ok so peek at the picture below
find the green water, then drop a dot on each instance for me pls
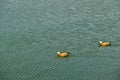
(32, 31)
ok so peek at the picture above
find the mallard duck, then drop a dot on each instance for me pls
(105, 44)
(63, 54)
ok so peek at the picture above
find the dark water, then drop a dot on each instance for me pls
(32, 31)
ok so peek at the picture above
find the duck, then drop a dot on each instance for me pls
(63, 54)
(104, 44)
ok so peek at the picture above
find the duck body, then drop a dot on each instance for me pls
(63, 54)
(104, 44)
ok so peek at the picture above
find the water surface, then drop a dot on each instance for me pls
(32, 31)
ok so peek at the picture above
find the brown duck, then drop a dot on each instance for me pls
(63, 54)
(104, 44)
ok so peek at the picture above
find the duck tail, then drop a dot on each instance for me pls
(68, 52)
(109, 43)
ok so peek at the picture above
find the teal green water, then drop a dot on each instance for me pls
(32, 31)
